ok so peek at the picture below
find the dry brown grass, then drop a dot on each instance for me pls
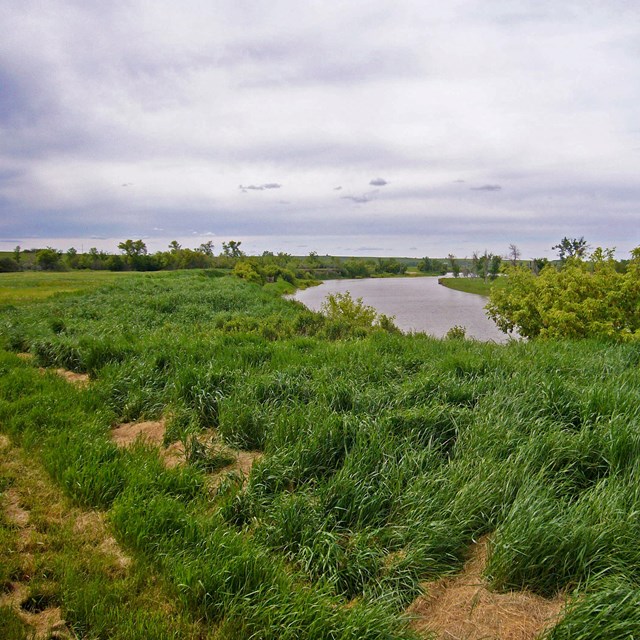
(151, 433)
(77, 379)
(462, 607)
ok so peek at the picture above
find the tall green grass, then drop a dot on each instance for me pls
(385, 455)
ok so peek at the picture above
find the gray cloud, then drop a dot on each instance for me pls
(188, 102)
(487, 187)
(261, 187)
(359, 199)
(364, 198)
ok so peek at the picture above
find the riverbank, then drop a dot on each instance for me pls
(472, 285)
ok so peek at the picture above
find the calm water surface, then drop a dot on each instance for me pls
(419, 304)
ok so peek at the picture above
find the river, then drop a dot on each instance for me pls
(418, 304)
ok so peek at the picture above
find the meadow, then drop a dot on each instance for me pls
(379, 460)
(472, 285)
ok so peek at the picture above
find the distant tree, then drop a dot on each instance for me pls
(133, 248)
(174, 246)
(49, 259)
(485, 260)
(191, 259)
(16, 254)
(206, 248)
(282, 258)
(389, 265)
(8, 264)
(115, 263)
(538, 264)
(455, 266)
(426, 265)
(475, 263)
(232, 249)
(494, 268)
(570, 247)
(137, 257)
(354, 268)
(514, 255)
(72, 258)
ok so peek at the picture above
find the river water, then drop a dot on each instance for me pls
(418, 304)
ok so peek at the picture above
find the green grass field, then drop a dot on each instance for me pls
(33, 286)
(379, 459)
(472, 285)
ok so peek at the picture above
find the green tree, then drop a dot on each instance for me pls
(72, 258)
(355, 268)
(206, 248)
(49, 259)
(232, 249)
(133, 248)
(247, 271)
(571, 247)
(8, 265)
(584, 298)
(455, 266)
(341, 307)
(538, 264)
(494, 267)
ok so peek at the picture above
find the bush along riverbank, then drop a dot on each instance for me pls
(285, 475)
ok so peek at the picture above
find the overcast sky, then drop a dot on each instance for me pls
(410, 128)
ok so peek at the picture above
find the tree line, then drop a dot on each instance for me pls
(134, 256)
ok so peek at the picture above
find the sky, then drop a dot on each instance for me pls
(413, 128)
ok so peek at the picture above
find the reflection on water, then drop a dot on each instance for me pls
(418, 304)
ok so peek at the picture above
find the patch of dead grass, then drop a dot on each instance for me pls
(241, 465)
(43, 520)
(150, 432)
(77, 379)
(13, 510)
(462, 607)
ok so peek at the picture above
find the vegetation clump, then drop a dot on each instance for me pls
(579, 299)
